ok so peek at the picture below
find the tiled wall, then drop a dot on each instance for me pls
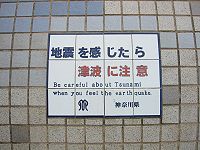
(24, 28)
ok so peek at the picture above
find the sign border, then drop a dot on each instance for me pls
(103, 116)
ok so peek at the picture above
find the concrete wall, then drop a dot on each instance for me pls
(24, 28)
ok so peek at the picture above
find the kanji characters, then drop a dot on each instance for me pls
(142, 71)
(66, 52)
(93, 53)
(93, 71)
(123, 71)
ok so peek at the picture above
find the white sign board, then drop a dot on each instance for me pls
(104, 74)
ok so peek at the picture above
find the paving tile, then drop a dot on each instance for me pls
(4, 118)
(38, 146)
(94, 134)
(170, 76)
(19, 115)
(4, 98)
(113, 121)
(39, 41)
(197, 36)
(5, 41)
(95, 23)
(112, 23)
(92, 121)
(37, 96)
(6, 24)
(130, 146)
(147, 7)
(151, 121)
(187, 145)
(183, 23)
(170, 95)
(20, 58)
(4, 134)
(58, 24)
(94, 147)
(4, 78)
(151, 133)
(56, 134)
(75, 134)
(196, 23)
(112, 7)
(181, 8)
(132, 133)
(40, 24)
(23, 146)
(19, 78)
(59, 8)
(170, 114)
(53, 146)
(23, 24)
(37, 77)
(166, 23)
(56, 120)
(185, 40)
(20, 133)
(188, 132)
(130, 7)
(37, 115)
(5, 59)
(76, 121)
(189, 113)
(188, 75)
(170, 133)
(169, 145)
(113, 134)
(187, 57)
(195, 7)
(169, 58)
(77, 8)
(148, 23)
(7, 9)
(94, 8)
(42, 9)
(18, 38)
(5, 146)
(18, 96)
(164, 7)
(132, 121)
(113, 146)
(131, 23)
(76, 23)
(25, 9)
(151, 146)
(38, 59)
(38, 134)
(76, 146)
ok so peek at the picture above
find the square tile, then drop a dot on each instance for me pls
(38, 134)
(40, 24)
(77, 8)
(19, 78)
(110, 121)
(75, 134)
(170, 114)
(6, 24)
(95, 23)
(94, 134)
(5, 41)
(112, 7)
(38, 146)
(94, 146)
(20, 133)
(188, 75)
(186, 40)
(18, 96)
(130, 7)
(58, 24)
(148, 23)
(94, 121)
(76, 23)
(59, 8)
(42, 9)
(4, 99)
(132, 134)
(20, 58)
(5, 146)
(130, 146)
(23, 146)
(183, 23)
(195, 7)
(39, 41)
(197, 36)
(113, 146)
(37, 77)
(4, 134)
(53, 146)
(112, 22)
(19, 115)
(164, 7)
(37, 115)
(170, 133)
(188, 132)
(5, 59)
(76, 121)
(169, 58)
(131, 23)
(113, 134)
(25, 9)
(189, 113)
(170, 95)
(76, 146)
(7, 9)
(4, 118)
(166, 23)
(151, 121)
(56, 134)
(196, 23)
(151, 133)
(56, 121)
(38, 59)
(187, 145)
(147, 7)
(23, 24)
(4, 78)
(18, 38)
(94, 8)
(187, 57)
(181, 8)
(169, 145)
(170, 76)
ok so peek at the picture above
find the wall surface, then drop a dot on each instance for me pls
(24, 28)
